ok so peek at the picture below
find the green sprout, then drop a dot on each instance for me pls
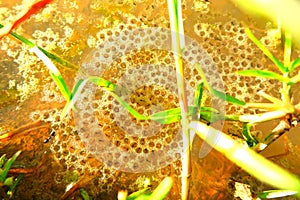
(277, 108)
(5, 166)
(84, 194)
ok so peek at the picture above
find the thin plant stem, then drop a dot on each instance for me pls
(176, 23)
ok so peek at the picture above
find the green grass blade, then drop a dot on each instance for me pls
(287, 49)
(13, 186)
(84, 194)
(197, 100)
(134, 195)
(62, 86)
(217, 93)
(250, 161)
(295, 64)
(143, 197)
(232, 117)
(174, 115)
(129, 108)
(251, 141)
(103, 83)
(75, 92)
(24, 40)
(170, 116)
(198, 95)
(111, 87)
(209, 116)
(209, 109)
(8, 181)
(212, 115)
(167, 116)
(54, 72)
(201, 73)
(269, 194)
(2, 160)
(48, 54)
(280, 66)
(59, 60)
(7, 166)
(228, 98)
(162, 189)
(263, 74)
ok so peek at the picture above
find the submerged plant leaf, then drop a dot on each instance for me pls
(48, 54)
(251, 141)
(2, 160)
(226, 97)
(197, 100)
(217, 93)
(198, 95)
(135, 113)
(295, 64)
(54, 72)
(211, 116)
(280, 66)
(262, 73)
(8, 181)
(7, 166)
(15, 183)
(75, 92)
(61, 84)
(174, 115)
(275, 194)
(287, 49)
(84, 194)
(143, 197)
(134, 195)
(102, 83)
(167, 116)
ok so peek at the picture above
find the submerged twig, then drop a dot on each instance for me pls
(24, 129)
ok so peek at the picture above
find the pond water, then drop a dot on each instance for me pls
(124, 42)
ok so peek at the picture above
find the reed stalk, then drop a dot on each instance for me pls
(176, 23)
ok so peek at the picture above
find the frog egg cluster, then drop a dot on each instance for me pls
(68, 148)
(46, 39)
(141, 63)
(231, 50)
(132, 48)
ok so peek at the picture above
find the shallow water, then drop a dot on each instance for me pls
(30, 103)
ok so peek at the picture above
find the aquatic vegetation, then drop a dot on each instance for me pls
(283, 108)
(190, 113)
(10, 182)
